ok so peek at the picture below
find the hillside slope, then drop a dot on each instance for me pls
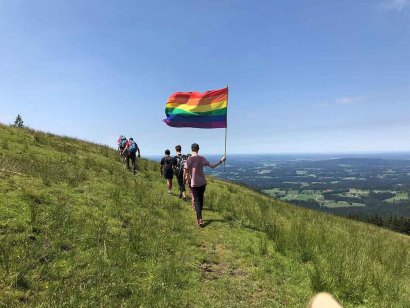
(78, 229)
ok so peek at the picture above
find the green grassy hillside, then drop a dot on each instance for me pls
(77, 229)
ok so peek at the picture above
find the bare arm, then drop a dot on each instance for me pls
(187, 175)
(213, 166)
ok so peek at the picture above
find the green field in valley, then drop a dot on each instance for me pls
(400, 196)
(315, 195)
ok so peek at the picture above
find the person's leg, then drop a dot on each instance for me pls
(181, 185)
(134, 167)
(124, 158)
(195, 192)
(201, 200)
(168, 176)
(192, 197)
(127, 160)
(198, 193)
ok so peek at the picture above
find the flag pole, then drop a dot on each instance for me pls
(226, 128)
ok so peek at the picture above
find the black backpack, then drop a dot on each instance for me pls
(180, 161)
(168, 162)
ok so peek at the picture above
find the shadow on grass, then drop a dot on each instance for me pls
(209, 209)
(209, 221)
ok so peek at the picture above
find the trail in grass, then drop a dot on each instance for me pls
(240, 267)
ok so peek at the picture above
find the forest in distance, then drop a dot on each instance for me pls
(374, 188)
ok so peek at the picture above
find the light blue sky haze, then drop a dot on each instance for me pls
(304, 76)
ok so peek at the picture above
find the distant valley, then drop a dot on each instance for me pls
(370, 187)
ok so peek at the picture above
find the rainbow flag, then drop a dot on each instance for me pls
(199, 110)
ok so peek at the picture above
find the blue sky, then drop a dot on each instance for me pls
(304, 76)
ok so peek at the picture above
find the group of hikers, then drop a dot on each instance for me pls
(128, 149)
(188, 169)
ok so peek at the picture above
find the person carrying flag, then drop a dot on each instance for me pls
(195, 173)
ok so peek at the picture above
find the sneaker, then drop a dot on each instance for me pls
(200, 222)
(169, 192)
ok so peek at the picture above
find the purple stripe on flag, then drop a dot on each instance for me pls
(221, 124)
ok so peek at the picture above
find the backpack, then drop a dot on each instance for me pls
(132, 148)
(122, 142)
(168, 162)
(180, 161)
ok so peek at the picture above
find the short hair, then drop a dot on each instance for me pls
(195, 146)
(167, 152)
(131, 138)
(178, 148)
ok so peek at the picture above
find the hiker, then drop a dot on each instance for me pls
(130, 150)
(121, 142)
(188, 182)
(166, 169)
(195, 173)
(178, 167)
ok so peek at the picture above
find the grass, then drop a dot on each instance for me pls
(76, 229)
(336, 204)
(304, 195)
(400, 196)
(316, 195)
(357, 192)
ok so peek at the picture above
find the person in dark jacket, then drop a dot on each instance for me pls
(166, 169)
(178, 166)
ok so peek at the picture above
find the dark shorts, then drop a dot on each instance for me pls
(168, 174)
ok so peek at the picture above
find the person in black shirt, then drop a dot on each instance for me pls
(166, 170)
(178, 166)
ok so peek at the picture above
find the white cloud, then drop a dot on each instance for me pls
(348, 100)
(396, 5)
(345, 100)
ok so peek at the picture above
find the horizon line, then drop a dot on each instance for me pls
(310, 153)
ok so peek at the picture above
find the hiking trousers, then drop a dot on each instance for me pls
(198, 193)
(133, 157)
(181, 184)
